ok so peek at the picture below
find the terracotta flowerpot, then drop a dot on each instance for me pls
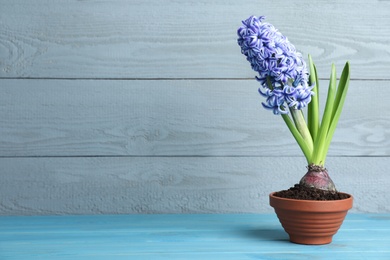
(310, 222)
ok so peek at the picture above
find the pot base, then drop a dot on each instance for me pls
(311, 240)
(310, 222)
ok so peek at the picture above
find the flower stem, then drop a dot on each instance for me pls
(301, 125)
(306, 145)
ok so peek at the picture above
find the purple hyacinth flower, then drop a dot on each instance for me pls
(281, 70)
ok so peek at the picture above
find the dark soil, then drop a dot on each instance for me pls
(304, 193)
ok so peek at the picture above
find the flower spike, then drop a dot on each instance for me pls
(279, 66)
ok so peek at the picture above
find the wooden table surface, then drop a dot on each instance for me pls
(218, 236)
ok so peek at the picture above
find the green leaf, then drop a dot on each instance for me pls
(313, 107)
(319, 153)
(342, 90)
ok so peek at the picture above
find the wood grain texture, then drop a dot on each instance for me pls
(51, 186)
(116, 106)
(182, 39)
(223, 236)
(174, 118)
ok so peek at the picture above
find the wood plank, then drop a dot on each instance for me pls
(244, 236)
(138, 223)
(182, 39)
(47, 186)
(172, 118)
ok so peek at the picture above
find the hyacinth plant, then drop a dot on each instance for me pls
(288, 87)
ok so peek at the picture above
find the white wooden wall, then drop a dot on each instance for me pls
(148, 106)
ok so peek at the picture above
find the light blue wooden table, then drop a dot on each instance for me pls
(246, 236)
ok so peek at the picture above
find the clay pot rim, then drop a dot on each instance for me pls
(272, 195)
(311, 205)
